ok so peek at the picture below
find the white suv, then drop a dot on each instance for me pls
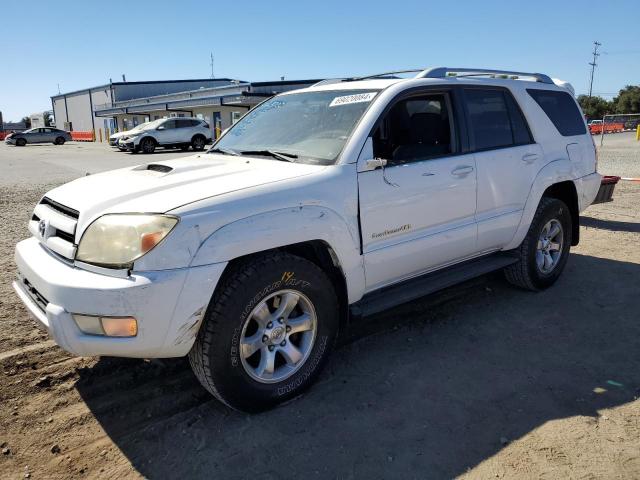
(182, 132)
(345, 198)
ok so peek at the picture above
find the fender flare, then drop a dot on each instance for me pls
(284, 227)
(555, 171)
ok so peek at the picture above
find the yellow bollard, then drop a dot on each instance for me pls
(217, 132)
(100, 135)
(638, 133)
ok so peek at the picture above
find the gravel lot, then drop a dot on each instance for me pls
(478, 381)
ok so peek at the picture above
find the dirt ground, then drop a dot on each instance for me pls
(479, 381)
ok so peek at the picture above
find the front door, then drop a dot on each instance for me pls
(417, 214)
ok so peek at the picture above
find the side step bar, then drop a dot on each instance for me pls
(414, 288)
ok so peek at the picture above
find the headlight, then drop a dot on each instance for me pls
(116, 240)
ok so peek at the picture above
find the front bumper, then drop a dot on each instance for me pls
(169, 305)
(10, 141)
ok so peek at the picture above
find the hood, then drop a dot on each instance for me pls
(125, 133)
(158, 187)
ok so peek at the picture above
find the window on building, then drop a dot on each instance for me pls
(235, 116)
(561, 109)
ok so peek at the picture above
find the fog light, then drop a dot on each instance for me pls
(109, 326)
(89, 324)
(120, 326)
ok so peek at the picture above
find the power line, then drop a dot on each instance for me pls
(593, 64)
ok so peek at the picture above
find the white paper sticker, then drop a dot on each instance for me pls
(357, 98)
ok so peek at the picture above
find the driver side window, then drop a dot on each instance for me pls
(416, 128)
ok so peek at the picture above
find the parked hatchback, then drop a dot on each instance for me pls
(39, 135)
(180, 132)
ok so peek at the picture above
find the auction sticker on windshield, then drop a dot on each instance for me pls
(357, 98)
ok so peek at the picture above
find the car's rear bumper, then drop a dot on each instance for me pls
(587, 188)
(168, 305)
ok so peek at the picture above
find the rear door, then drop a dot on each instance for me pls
(507, 162)
(418, 213)
(184, 130)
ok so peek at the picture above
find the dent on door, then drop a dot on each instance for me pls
(416, 217)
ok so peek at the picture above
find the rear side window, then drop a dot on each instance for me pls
(561, 110)
(496, 120)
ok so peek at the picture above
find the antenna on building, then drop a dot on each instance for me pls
(593, 64)
(282, 78)
(211, 63)
(124, 79)
(58, 89)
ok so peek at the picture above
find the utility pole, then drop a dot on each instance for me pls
(212, 75)
(593, 64)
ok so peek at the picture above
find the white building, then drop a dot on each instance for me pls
(123, 105)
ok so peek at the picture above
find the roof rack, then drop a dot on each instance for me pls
(443, 72)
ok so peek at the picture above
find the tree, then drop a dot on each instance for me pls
(26, 121)
(595, 107)
(48, 118)
(628, 100)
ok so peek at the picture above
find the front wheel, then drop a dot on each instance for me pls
(59, 141)
(544, 252)
(267, 333)
(198, 142)
(148, 145)
(21, 142)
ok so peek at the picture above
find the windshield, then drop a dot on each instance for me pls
(310, 127)
(149, 125)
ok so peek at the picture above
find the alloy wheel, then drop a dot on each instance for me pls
(278, 336)
(549, 247)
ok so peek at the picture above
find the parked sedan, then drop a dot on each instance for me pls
(39, 135)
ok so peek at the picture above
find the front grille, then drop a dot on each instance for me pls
(54, 225)
(37, 297)
(70, 212)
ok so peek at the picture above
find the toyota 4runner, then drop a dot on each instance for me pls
(321, 204)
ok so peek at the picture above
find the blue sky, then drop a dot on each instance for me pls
(82, 44)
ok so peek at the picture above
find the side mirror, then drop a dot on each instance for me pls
(374, 163)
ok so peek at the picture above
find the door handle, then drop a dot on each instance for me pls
(530, 157)
(462, 171)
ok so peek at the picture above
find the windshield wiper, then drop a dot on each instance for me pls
(286, 157)
(224, 151)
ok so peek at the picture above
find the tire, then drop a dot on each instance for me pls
(59, 141)
(148, 145)
(535, 269)
(21, 142)
(198, 142)
(224, 367)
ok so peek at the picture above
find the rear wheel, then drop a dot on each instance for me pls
(545, 250)
(148, 145)
(21, 142)
(267, 333)
(198, 142)
(59, 141)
